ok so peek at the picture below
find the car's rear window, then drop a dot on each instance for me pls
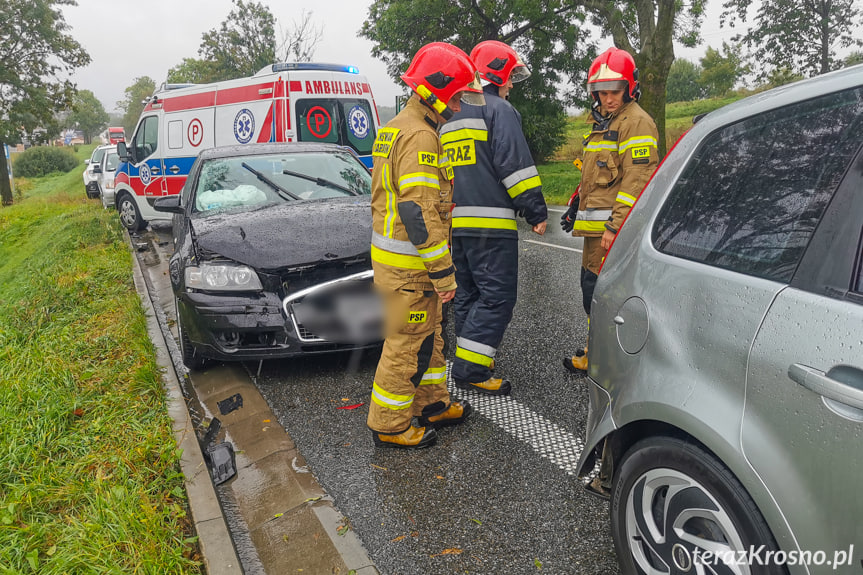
(753, 194)
(253, 181)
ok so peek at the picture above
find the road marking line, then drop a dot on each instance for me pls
(556, 210)
(546, 438)
(553, 246)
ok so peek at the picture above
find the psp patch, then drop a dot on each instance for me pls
(428, 159)
(244, 126)
(417, 316)
(358, 122)
(384, 142)
(640, 152)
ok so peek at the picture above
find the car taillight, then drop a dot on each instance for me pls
(639, 197)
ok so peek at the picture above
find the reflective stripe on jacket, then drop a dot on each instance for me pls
(495, 176)
(411, 203)
(617, 163)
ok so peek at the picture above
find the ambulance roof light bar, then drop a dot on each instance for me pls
(295, 66)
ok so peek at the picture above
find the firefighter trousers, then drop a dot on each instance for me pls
(487, 277)
(411, 374)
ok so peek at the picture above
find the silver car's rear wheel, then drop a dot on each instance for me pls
(676, 509)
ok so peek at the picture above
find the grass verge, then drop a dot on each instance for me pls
(89, 469)
(559, 180)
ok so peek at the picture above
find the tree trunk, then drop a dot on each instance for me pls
(653, 77)
(5, 185)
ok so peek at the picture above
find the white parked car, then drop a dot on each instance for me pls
(105, 177)
(91, 185)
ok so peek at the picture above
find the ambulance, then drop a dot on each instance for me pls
(284, 102)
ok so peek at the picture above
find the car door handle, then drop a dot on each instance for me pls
(618, 320)
(843, 383)
(174, 169)
(154, 170)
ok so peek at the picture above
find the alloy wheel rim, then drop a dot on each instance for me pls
(672, 520)
(127, 213)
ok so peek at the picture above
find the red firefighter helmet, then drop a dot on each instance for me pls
(614, 69)
(498, 63)
(438, 72)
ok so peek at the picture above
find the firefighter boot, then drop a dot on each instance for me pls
(411, 438)
(577, 364)
(491, 386)
(452, 415)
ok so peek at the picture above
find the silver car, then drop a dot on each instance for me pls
(726, 345)
(105, 177)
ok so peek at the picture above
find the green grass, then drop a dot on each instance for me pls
(89, 473)
(559, 180)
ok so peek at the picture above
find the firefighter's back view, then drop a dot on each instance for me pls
(411, 203)
(495, 180)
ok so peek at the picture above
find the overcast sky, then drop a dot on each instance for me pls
(129, 39)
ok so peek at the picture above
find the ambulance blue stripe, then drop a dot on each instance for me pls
(184, 163)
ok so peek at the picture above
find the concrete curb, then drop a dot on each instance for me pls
(214, 538)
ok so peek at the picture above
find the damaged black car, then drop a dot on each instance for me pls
(272, 254)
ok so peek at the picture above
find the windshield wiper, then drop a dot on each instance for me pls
(281, 191)
(321, 182)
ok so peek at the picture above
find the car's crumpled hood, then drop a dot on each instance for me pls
(290, 234)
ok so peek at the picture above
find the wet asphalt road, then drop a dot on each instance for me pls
(494, 495)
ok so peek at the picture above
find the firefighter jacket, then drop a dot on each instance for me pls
(620, 154)
(411, 204)
(495, 177)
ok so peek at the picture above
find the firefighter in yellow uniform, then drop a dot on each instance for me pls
(620, 154)
(411, 203)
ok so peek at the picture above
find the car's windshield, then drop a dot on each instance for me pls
(112, 161)
(98, 153)
(248, 182)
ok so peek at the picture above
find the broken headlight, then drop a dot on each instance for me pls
(222, 276)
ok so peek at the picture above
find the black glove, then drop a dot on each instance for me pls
(567, 220)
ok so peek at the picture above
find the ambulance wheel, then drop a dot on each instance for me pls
(191, 358)
(130, 216)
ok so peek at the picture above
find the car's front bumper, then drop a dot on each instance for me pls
(259, 326)
(92, 189)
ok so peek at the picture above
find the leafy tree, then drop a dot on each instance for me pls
(720, 71)
(88, 114)
(853, 58)
(244, 42)
(36, 53)
(133, 104)
(782, 76)
(192, 70)
(548, 34)
(646, 29)
(801, 35)
(683, 81)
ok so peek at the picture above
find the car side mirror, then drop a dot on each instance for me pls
(97, 169)
(87, 162)
(168, 204)
(123, 152)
